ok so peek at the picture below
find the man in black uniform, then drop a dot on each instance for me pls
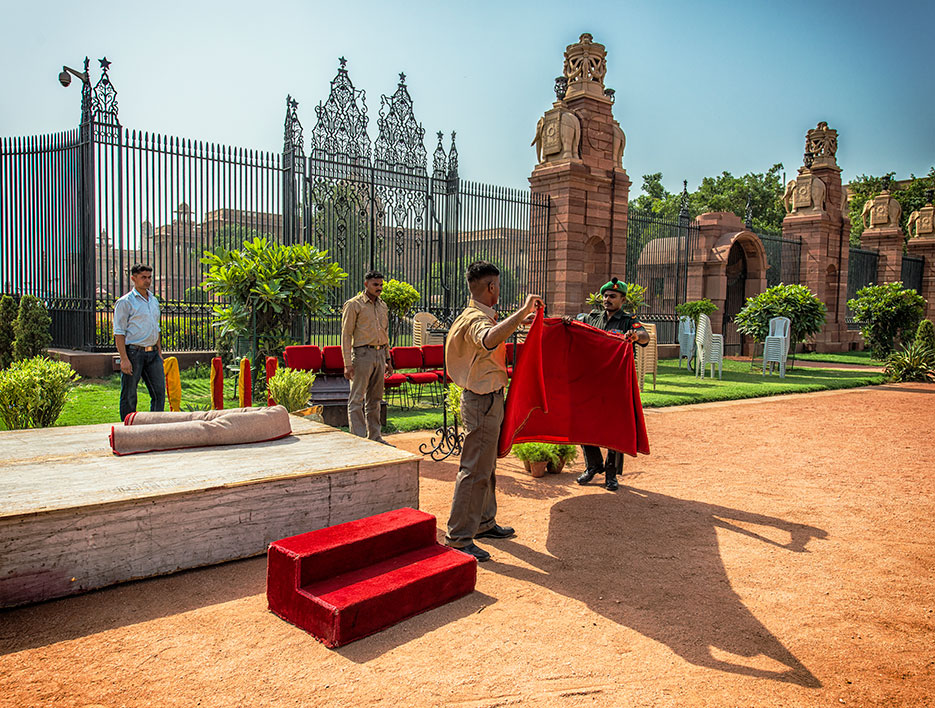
(613, 318)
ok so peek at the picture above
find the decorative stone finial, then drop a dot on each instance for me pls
(822, 143)
(585, 67)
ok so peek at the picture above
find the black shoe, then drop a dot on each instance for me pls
(472, 550)
(611, 484)
(496, 531)
(588, 474)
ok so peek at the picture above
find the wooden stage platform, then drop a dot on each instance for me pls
(74, 517)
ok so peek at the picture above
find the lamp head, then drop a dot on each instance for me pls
(64, 78)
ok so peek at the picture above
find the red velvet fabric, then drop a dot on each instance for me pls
(272, 363)
(574, 384)
(303, 356)
(332, 360)
(406, 357)
(344, 582)
(433, 356)
(217, 393)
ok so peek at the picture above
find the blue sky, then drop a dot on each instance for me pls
(702, 87)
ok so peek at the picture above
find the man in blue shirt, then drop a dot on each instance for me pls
(136, 333)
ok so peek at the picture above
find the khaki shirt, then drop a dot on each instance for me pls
(472, 365)
(364, 323)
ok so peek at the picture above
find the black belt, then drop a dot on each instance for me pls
(489, 393)
(370, 346)
(142, 349)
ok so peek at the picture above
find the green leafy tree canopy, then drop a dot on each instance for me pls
(805, 311)
(889, 312)
(867, 187)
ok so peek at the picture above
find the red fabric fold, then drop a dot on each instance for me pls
(574, 384)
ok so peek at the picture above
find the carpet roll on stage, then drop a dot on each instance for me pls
(227, 428)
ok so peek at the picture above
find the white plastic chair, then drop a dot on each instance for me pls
(776, 346)
(709, 348)
(686, 339)
(421, 323)
(647, 358)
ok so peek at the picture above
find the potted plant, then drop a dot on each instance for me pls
(535, 457)
(562, 455)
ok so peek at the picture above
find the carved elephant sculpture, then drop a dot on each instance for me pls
(787, 196)
(873, 212)
(912, 224)
(567, 128)
(620, 143)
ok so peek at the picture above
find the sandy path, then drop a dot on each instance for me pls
(771, 552)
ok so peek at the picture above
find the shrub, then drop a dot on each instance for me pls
(454, 401)
(568, 453)
(695, 309)
(915, 362)
(34, 391)
(889, 313)
(805, 311)
(291, 388)
(633, 301)
(536, 452)
(925, 335)
(8, 308)
(31, 329)
(400, 297)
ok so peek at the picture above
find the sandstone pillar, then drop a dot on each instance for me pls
(922, 243)
(815, 202)
(580, 149)
(883, 234)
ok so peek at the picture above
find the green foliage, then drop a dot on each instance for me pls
(400, 297)
(185, 333)
(291, 388)
(454, 401)
(804, 310)
(568, 453)
(31, 328)
(915, 362)
(8, 310)
(866, 187)
(536, 452)
(34, 391)
(722, 193)
(888, 312)
(695, 309)
(595, 300)
(267, 286)
(925, 334)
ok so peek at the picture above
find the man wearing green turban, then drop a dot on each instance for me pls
(611, 318)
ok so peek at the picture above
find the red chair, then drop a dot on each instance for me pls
(410, 359)
(306, 357)
(332, 360)
(433, 359)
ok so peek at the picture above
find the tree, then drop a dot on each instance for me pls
(400, 297)
(8, 309)
(889, 312)
(31, 329)
(805, 311)
(867, 187)
(722, 193)
(267, 286)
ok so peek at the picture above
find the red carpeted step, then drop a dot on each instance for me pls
(347, 581)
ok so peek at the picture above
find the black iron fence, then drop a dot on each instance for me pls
(861, 272)
(77, 209)
(659, 252)
(911, 272)
(783, 257)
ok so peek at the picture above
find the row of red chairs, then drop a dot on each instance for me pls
(411, 365)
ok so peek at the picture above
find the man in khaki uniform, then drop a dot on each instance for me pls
(476, 357)
(365, 339)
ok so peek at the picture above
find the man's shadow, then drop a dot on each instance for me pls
(652, 562)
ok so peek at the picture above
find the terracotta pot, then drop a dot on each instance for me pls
(537, 469)
(526, 465)
(556, 469)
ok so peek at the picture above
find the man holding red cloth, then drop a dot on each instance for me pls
(476, 359)
(614, 319)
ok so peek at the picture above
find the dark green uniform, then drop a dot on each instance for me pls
(620, 321)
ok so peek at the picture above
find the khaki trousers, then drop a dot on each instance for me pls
(363, 404)
(474, 507)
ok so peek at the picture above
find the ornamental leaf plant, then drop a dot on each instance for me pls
(400, 297)
(695, 309)
(805, 311)
(888, 313)
(265, 287)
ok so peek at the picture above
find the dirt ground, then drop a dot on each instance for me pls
(773, 552)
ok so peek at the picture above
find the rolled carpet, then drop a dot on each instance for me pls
(252, 426)
(154, 417)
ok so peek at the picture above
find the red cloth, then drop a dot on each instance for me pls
(574, 383)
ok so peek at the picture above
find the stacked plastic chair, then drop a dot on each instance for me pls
(776, 346)
(709, 348)
(686, 339)
(647, 358)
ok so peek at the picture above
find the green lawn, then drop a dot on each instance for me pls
(97, 400)
(843, 358)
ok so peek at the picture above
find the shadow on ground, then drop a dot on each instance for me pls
(651, 562)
